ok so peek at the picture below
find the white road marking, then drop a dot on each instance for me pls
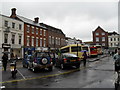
(21, 74)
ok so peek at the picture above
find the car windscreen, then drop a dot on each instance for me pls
(75, 48)
(70, 55)
(42, 54)
(93, 49)
(85, 48)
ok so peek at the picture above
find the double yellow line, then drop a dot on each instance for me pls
(53, 75)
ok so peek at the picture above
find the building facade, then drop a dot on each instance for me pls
(56, 38)
(39, 36)
(11, 35)
(100, 37)
(113, 39)
(72, 41)
(35, 36)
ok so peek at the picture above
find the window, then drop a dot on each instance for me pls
(111, 44)
(118, 39)
(44, 42)
(40, 42)
(6, 23)
(97, 33)
(28, 41)
(59, 41)
(6, 38)
(13, 25)
(49, 39)
(20, 26)
(103, 38)
(75, 49)
(114, 39)
(44, 32)
(36, 41)
(13, 39)
(103, 33)
(52, 40)
(56, 41)
(65, 50)
(28, 28)
(37, 31)
(32, 30)
(111, 39)
(40, 31)
(32, 41)
(97, 39)
(20, 39)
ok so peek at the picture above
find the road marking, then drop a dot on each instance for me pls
(21, 74)
(52, 75)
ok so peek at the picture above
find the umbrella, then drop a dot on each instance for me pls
(84, 51)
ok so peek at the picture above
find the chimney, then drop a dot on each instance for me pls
(13, 14)
(36, 20)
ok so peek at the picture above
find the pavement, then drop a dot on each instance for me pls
(96, 59)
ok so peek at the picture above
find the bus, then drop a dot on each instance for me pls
(93, 51)
(99, 49)
(73, 49)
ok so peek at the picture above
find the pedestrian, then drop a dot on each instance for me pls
(4, 61)
(84, 58)
(115, 51)
(16, 57)
(116, 57)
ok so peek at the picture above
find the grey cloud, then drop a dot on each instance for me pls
(77, 16)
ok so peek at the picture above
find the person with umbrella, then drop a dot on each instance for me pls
(84, 58)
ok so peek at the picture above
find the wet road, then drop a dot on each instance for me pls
(97, 74)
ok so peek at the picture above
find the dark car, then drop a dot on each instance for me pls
(26, 59)
(68, 59)
(40, 60)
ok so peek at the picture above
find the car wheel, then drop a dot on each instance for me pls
(50, 68)
(62, 66)
(77, 66)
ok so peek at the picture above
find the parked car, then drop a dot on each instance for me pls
(26, 59)
(68, 59)
(40, 60)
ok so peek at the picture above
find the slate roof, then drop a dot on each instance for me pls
(29, 21)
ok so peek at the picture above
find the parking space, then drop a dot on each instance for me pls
(25, 75)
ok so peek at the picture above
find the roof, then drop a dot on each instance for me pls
(113, 33)
(99, 28)
(26, 20)
(51, 27)
(10, 17)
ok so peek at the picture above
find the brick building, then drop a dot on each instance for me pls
(56, 38)
(100, 37)
(39, 36)
(35, 36)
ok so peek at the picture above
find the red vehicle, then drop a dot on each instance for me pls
(93, 51)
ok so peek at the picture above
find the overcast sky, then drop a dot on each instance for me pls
(76, 19)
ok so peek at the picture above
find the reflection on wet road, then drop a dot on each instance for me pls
(98, 74)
